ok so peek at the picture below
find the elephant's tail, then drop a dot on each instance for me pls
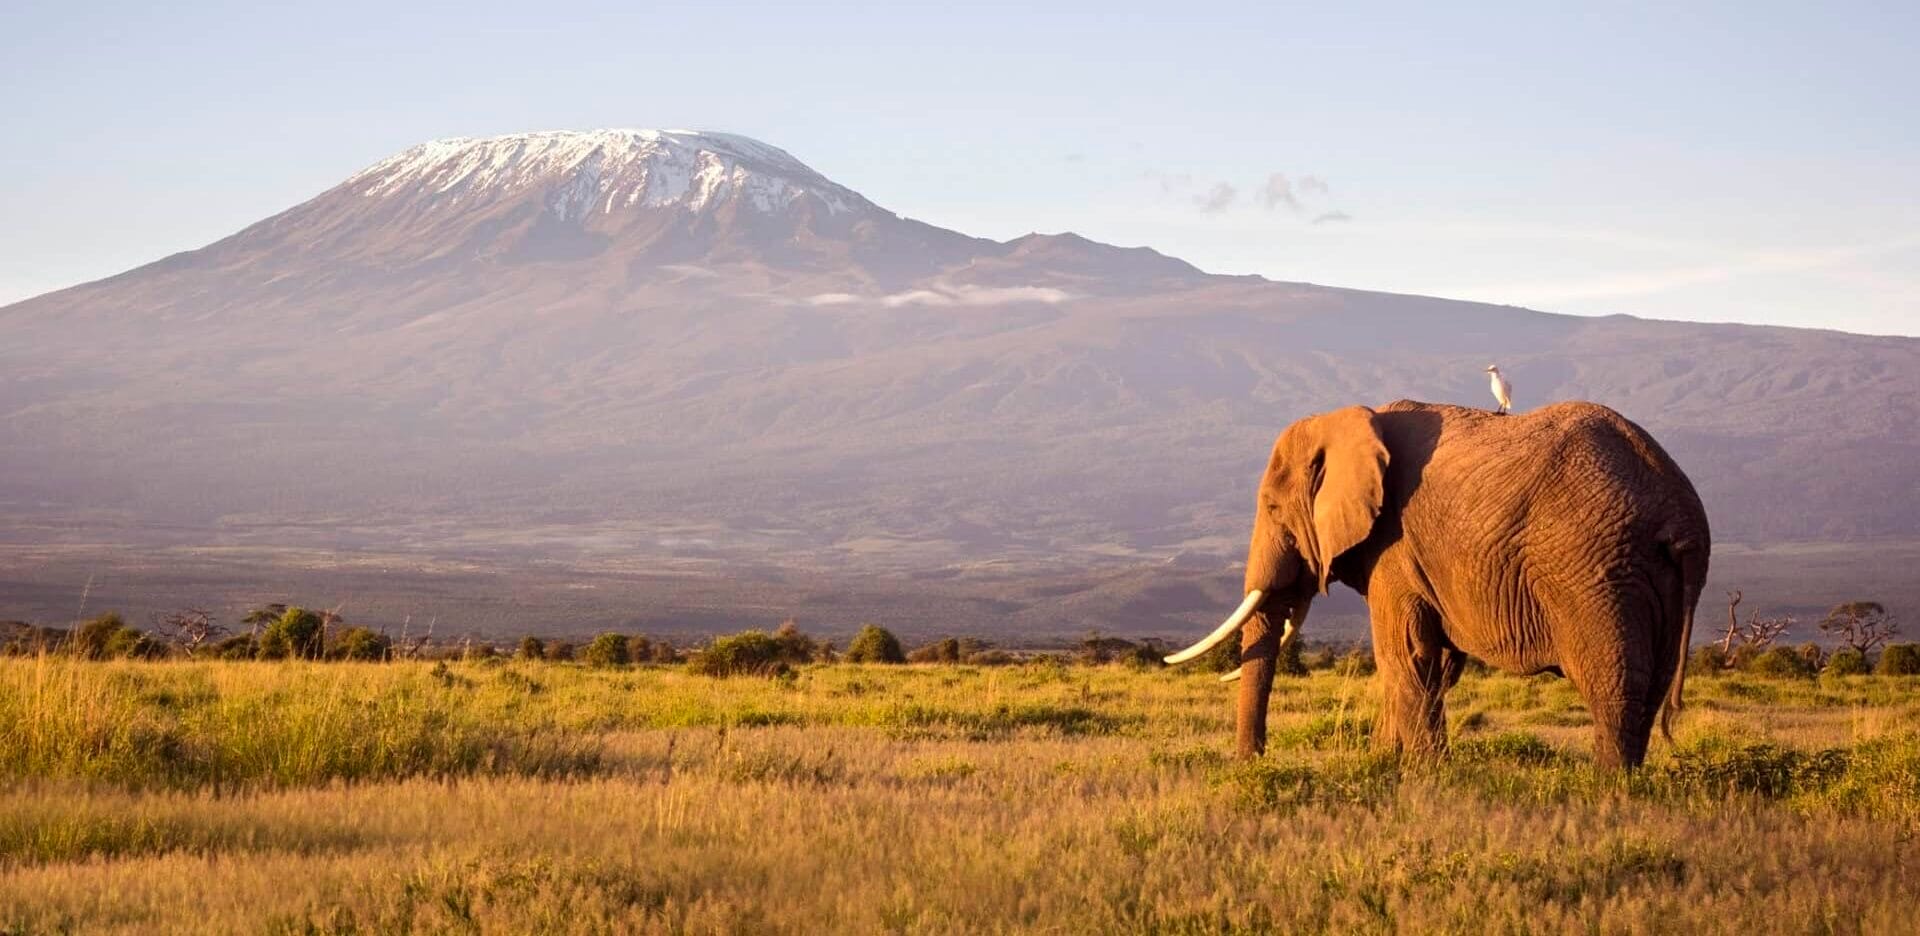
(1690, 559)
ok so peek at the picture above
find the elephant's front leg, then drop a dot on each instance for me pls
(1416, 668)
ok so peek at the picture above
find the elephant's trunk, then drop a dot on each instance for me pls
(1260, 644)
(1259, 649)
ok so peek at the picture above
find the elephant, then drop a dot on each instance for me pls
(1564, 540)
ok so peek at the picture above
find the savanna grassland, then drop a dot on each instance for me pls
(292, 797)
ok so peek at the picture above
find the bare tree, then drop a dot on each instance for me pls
(1862, 625)
(1761, 632)
(1733, 621)
(409, 649)
(189, 627)
(1757, 634)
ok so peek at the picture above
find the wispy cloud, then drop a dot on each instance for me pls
(948, 296)
(1332, 217)
(1216, 199)
(1278, 193)
(1170, 182)
(832, 299)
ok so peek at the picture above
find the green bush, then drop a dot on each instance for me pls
(532, 648)
(794, 646)
(750, 653)
(1901, 659)
(608, 649)
(940, 651)
(1709, 660)
(1781, 661)
(90, 640)
(875, 644)
(1847, 662)
(560, 650)
(1357, 662)
(359, 643)
(991, 657)
(237, 647)
(1288, 663)
(125, 642)
(297, 633)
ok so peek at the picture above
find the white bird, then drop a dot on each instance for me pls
(1502, 390)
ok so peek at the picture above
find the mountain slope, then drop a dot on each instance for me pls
(689, 348)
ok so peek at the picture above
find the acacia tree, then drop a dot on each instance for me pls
(1861, 625)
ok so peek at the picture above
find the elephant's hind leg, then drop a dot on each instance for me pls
(1416, 668)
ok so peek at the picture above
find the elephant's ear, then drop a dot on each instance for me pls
(1350, 487)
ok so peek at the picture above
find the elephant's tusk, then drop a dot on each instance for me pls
(1234, 620)
(1230, 677)
(1287, 633)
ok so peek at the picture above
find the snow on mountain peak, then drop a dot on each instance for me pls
(602, 171)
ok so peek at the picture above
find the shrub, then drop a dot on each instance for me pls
(991, 657)
(237, 647)
(1811, 652)
(1223, 658)
(560, 650)
(532, 648)
(293, 634)
(608, 649)
(1847, 662)
(90, 640)
(1357, 662)
(748, 653)
(1901, 659)
(359, 643)
(875, 644)
(1096, 650)
(1781, 661)
(640, 649)
(940, 651)
(1708, 660)
(794, 646)
(130, 642)
(1288, 663)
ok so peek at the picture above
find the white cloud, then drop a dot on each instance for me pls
(832, 299)
(1216, 199)
(688, 269)
(1279, 192)
(950, 296)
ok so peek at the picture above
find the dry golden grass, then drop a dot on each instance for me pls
(240, 797)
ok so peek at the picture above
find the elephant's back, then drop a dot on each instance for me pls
(1573, 479)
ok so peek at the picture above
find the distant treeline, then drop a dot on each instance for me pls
(283, 632)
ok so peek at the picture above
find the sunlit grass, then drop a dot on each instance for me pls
(250, 797)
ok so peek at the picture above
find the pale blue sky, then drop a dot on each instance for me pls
(1740, 162)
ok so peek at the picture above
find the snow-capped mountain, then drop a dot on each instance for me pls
(603, 171)
(677, 347)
